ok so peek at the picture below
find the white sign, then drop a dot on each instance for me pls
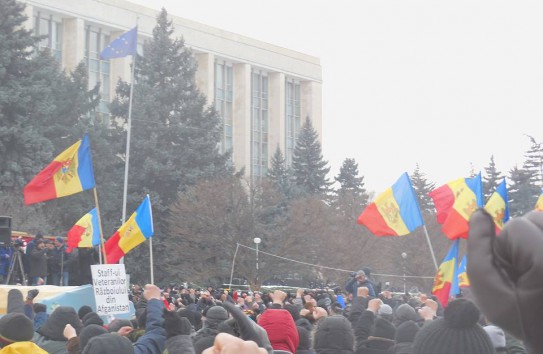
(110, 289)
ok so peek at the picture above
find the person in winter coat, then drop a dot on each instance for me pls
(214, 316)
(405, 335)
(505, 274)
(359, 280)
(282, 331)
(38, 263)
(50, 337)
(5, 261)
(333, 335)
(373, 335)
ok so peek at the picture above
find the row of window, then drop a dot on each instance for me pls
(99, 72)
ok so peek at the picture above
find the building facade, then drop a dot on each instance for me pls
(262, 92)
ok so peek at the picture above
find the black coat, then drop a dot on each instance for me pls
(38, 263)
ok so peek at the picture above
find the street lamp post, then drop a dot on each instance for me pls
(404, 257)
(257, 241)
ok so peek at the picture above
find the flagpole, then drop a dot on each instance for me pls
(151, 260)
(128, 134)
(151, 243)
(102, 245)
(430, 246)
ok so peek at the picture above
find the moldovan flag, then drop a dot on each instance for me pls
(455, 202)
(461, 278)
(395, 212)
(138, 228)
(70, 172)
(498, 206)
(446, 275)
(539, 204)
(85, 233)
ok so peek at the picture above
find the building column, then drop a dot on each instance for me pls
(310, 100)
(73, 42)
(29, 12)
(276, 112)
(242, 116)
(205, 76)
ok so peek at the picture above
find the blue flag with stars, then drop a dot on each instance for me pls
(125, 45)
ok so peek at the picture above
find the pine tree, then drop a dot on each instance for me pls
(492, 178)
(523, 193)
(534, 161)
(175, 136)
(279, 174)
(422, 188)
(24, 94)
(351, 197)
(348, 178)
(309, 168)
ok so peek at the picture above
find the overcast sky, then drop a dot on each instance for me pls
(442, 84)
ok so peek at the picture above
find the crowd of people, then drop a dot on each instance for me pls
(46, 261)
(359, 320)
(176, 319)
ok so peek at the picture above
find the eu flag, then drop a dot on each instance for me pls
(123, 46)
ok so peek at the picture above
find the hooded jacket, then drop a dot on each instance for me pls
(282, 331)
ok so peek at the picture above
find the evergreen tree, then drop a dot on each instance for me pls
(279, 174)
(24, 95)
(175, 137)
(309, 168)
(492, 178)
(523, 193)
(422, 188)
(534, 161)
(348, 178)
(351, 197)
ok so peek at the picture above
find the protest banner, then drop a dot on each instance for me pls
(110, 289)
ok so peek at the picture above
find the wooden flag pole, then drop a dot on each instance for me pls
(430, 246)
(102, 244)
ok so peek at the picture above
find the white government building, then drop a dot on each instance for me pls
(262, 91)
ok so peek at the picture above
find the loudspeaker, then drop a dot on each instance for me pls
(5, 230)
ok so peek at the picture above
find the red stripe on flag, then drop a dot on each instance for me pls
(443, 198)
(42, 186)
(455, 226)
(443, 294)
(374, 221)
(74, 237)
(113, 251)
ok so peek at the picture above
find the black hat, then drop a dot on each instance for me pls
(457, 332)
(83, 310)
(406, 332)
(383, 329)
(88, 333)
(53, 328)
(92, 318)
(15, 301)
(334, 335)
(109, 343)
(15, 327)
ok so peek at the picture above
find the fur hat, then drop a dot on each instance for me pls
(457, 332)
(15, 327)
